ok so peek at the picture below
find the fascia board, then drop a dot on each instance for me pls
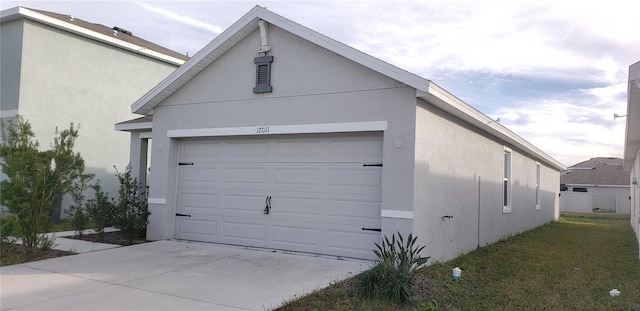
(127, 127)
(53, 22)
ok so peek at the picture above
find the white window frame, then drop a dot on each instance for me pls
(538, 188)
(507, 179)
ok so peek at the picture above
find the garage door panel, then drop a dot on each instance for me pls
(292, 150)
(361, 177)
(199, 174)
(294, 206)
(200, 151)
(242, 204)
(344, 208)
(298, 176)
(242, 229)
(284, 236)
(247, 150)
(246, 175)
(321, 195)
(353, 150)
(197, 228)
(198, 200)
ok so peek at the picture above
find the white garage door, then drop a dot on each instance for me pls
(322, 192)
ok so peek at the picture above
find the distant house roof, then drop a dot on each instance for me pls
(597, 171)
(425, 89)
(114, 36)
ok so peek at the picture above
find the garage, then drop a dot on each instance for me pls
(313, 193)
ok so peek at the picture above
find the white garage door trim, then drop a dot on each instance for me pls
(281, 129)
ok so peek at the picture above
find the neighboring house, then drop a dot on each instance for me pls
(598, 184)
(275, 136)
(58, 69)
(632, 144)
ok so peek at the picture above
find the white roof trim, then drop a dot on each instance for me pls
(17, 12)
(125, 127)
(425, 89)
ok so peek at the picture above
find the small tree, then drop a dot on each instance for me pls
(101, 209)
(132, 211)
(77, 212)
(35, 178)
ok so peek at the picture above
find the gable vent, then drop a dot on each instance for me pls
(263, 74)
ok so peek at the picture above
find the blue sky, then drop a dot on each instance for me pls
(554, 72)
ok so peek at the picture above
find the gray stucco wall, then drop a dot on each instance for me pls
(66, 78)
(10, 59)
(310, 85)
(459, 173)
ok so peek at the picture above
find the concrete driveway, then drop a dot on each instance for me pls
(168, 275)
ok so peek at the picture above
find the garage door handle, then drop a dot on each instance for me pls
(375, 164)
(184, 215)
(267, 208)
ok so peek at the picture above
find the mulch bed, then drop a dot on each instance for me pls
(11, 253)
(114, 237)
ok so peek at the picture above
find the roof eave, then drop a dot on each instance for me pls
(21, 12)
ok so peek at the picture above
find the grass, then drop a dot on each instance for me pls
(570, 264)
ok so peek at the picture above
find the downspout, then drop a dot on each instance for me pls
(479, 184)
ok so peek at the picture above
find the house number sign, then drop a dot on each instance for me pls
(262, 130)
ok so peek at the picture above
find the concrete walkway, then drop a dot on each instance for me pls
(78, 246)
(168, 275)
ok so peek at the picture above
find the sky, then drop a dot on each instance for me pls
(553, 71)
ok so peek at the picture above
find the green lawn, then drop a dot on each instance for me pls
(570, 264)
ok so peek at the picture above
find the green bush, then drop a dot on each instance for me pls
(391, 276)
(132, 211)
(77, 211)
(101, 209)
(9, 228)
(35, 178)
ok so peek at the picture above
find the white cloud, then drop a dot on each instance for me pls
(568, 130)
(215, 30)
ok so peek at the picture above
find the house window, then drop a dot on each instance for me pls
(506, 189)
(263, 74)
(538, 190)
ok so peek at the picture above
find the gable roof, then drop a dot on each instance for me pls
(632, 130)
(597, 171)
(111, 36)
(425, 89)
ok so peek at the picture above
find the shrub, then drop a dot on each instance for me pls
(77, 212)
(101, 209)
(132, 211)
(35, 178)
(391, 276)
(9, 229)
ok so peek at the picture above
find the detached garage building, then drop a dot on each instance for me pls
(275, 136)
